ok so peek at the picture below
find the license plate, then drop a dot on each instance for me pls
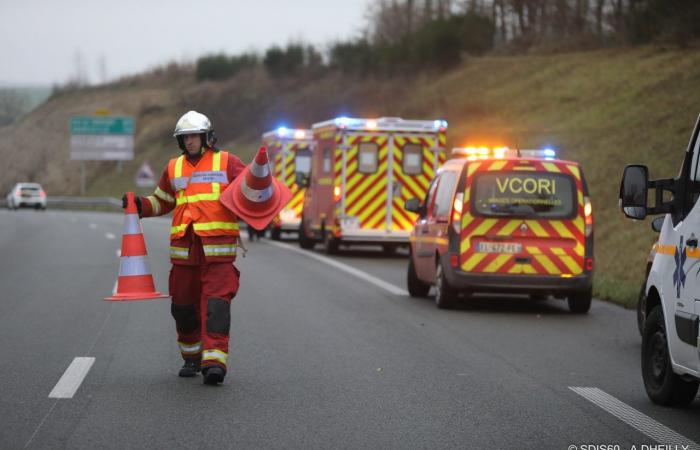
(499, 247)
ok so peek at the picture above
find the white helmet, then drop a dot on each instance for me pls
(193, 122)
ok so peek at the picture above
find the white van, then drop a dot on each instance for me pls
(670, 337)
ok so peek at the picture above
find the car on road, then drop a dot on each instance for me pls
(26, 195)
(671, 334)
(505, 221)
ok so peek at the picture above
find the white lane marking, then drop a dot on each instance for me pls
(72, 377)
(119, 252)
(344, 267)
(110, 236)
(93, 226)
(660, 433)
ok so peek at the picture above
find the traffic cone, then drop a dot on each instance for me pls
(135, 280)
(255, 195)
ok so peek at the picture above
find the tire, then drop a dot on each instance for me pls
(330, 244)
(304, 241)
(445, 295)
(580, 302)
(389, 249)
(416, 288)
(641, 303)
(275, 234)
(663, 386)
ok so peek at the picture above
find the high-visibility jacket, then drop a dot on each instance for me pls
(197, 210)
(197, 191)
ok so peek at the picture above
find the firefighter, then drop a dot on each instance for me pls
(203, 241)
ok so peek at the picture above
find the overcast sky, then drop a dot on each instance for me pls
(41, 39)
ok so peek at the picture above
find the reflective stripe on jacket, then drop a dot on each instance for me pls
(197, 190)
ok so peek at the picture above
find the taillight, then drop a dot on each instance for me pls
(588, 214)
(454, 260)
(457, 212)
(589, 264)
(42, 194)
(336, 194)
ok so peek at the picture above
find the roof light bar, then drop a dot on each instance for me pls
(474, 153)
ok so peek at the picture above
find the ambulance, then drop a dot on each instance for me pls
(504, 221)
(362, 173)
(290, 152)
(671, 326)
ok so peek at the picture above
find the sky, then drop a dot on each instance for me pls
(48, 42)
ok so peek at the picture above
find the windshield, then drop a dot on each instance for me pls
(524, 194)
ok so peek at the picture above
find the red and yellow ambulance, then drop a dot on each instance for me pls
(290, 153)
(363, 171)
(506, 221)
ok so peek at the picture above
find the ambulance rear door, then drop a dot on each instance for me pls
(415, 161)
(362, 177)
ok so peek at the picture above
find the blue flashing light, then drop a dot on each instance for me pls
(440, 124)
(549, 153)
(282, 131)
(342, 121)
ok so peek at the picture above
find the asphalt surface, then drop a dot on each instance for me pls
(319, 358)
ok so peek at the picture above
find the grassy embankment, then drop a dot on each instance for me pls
(602, 108)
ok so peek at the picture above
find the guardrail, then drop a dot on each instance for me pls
(81, 202)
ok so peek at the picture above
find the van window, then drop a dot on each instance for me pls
(524, 194)
(412, 159)
(326, 160)
(302, 161)
(443, 198)
(368, 157)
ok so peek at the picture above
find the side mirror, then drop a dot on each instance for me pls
(633, 191)
(657, 223)
(302, 179)
(414, 205)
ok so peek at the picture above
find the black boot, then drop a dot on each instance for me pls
(190, 368)
(213, 375)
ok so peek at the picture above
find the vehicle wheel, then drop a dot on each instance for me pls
(275, 234)
(304, 241)
(445, 295)
(641, 304)
(580, 302)
(389, 249)
(416, 288)
(663, 386)
(330, 244)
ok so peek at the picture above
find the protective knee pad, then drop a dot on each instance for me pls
(185, 318)
(218, 315)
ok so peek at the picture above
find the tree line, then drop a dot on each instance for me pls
(408, 36)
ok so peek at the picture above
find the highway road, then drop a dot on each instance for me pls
(325, 353)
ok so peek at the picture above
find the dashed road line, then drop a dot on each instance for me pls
(93, 226)
(641, 422)
(110, 236)
(72, 378)
(346, 268)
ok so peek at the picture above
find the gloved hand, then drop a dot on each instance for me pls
(137, 200)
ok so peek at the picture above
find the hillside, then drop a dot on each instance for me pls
(603, 108)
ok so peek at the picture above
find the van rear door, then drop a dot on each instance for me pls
(523, 217)
(415, 161)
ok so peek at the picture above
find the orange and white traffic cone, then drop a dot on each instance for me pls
(255, 195)
(135, 280)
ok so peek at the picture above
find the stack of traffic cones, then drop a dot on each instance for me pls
(135, 280)
(255, 195)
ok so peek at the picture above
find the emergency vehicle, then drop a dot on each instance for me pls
(506, 221)
(290, 152)
(362, 173)
(671, 335)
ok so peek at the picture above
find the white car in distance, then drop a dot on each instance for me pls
(26, 195)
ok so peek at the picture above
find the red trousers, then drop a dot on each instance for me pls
(201, 307)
